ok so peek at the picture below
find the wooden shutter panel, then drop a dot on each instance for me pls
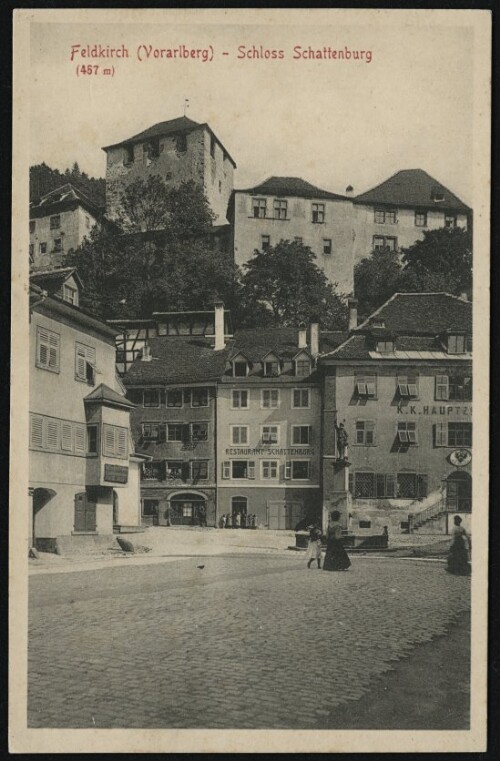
(79, 439)
(67, 437)
(109, 441)
(36, 431)
(390, 485)
(52, 434)
(80, 361)
(441, 434)
(185, 471)
(288, 469)
(226, 469)
(421, 485)
(442, 387)
(54, 351)
(121, 442)
(251, 469)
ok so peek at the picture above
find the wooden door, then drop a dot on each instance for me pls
(85, 513)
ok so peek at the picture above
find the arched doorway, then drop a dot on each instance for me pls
(188, 509)
(239, 507)
(459, 492)
(40, 499)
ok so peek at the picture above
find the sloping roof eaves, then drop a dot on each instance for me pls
(103, 394)
(412, 188)
(423, 313)
(291, 186)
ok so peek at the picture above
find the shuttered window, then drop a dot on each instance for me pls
(47, 350)
(57, 436)
(84, 362)
(67, 437)
(52, 434)
(79, 439)
(115, 441)
(36, 431)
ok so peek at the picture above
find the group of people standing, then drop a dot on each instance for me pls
(336, 558)
(238, 520)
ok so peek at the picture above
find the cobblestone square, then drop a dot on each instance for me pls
(254, 641)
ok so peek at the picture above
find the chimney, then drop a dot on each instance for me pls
(146, 353)
(219, 325)
(349, 191)
(314, 339)
(353, 313)
(464, 296)
(302, 341)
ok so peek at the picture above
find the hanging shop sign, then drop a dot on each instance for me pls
(460, 457)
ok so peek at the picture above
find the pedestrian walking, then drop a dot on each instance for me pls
(202, 515)
(237, 520)
(458, 554)
(336, 558)
(222, 521)
(314, 547)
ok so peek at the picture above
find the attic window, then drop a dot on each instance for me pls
(377, 323)
(302, 367)
(437, 195)
(385, 346)
(240, 368)
(459, 344)
(271, 368)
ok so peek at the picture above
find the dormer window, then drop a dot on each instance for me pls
(437, 195)
(271, 368)
(459, 344)
(385, 346)
(302, 367)
(377, 323)
(240, 368)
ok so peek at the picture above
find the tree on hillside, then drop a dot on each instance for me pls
(161, 260)
(43, 179)
(376, 278)
(441, 261)
(284, 286)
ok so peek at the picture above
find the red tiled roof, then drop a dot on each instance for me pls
(412, 187)
(291, 186)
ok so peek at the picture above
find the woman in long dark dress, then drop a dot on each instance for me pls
(336, 558)
(458, 554)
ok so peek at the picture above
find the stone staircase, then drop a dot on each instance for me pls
(431, 517)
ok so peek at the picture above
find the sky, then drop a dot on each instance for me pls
(332, 122)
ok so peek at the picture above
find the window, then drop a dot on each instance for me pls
(454, 388)
(181, 143)
(269, 469)
(298, 240)
(70, 295)
(153, 471)
(212, 146)
(150, 508)
(176, 432)
(368, 485)
(85, 363)
(302, 367)
(57, 245)
(151, 397)
(365, 432)
(327, 246)
(115, 441)
(32, 252)
(365, 524)
(407, 386)
(381, 242)
(456, 344)
(450, 221)
(366, 385)
(270, 434)
(453, 434)
(239, 434)
(411, 485)
(301, 434)
(128, 154)
(297, 470)
(47, 350)
(239, 400)
(42, 248)
(199, 397)
(199, 431)
(153, 431)
(174, 397)
(300, 397)
(318, 213)
(265, 242)
(176, 469)
(152, 149)
(199, 470)
(87, 222)
(271, 368)
(270, 398)
(32, 226)
(420, 219)
(242, 469)
(55, 222)
(280, 208)
(240, 368)
(389, 217)
(385, 346)
(92, 439)
(259, 207)
(437, 195)
(407, 433)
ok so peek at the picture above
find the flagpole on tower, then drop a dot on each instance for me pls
(186, 105)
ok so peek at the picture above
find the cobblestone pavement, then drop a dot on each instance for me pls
(245, 642)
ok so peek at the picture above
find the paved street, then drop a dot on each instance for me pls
(254, 641)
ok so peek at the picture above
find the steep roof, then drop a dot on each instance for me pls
(52, 280)
(193, 359)
(103, 394)
(181, 125)
(412, 187)
(65, 196)
(291, 186)
(417, 320)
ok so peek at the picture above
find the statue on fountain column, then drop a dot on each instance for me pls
(342, 439)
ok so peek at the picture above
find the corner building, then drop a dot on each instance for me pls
(402, 385)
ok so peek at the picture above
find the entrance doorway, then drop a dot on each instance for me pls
(85, 513)
(188, 509)
(40, 499)
(150, 512)
(459, 492)
(283, 515)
